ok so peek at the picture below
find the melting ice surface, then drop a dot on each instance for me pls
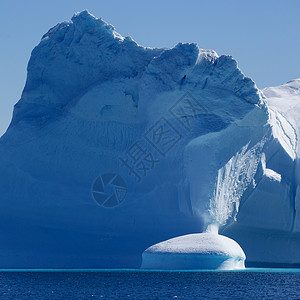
(233, 179)
(210, 250)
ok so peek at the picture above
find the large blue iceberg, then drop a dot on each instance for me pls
(114, 147)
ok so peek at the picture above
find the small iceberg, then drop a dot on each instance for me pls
(207, 250)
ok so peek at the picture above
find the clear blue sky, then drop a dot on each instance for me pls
(262, 35)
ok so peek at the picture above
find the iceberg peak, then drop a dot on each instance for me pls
(86, 20)
(81, 23)
(84, 15)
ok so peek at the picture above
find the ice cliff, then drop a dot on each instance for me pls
(268, 220)
(114, 147)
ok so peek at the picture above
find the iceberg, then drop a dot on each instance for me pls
(114, 147)
(195, 251)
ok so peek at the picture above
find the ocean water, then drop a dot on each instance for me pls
(133, 284)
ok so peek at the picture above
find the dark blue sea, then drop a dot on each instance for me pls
(131, 284)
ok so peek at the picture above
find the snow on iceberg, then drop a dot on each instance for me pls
(269, 211)
(114, 147)
(195, 251)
